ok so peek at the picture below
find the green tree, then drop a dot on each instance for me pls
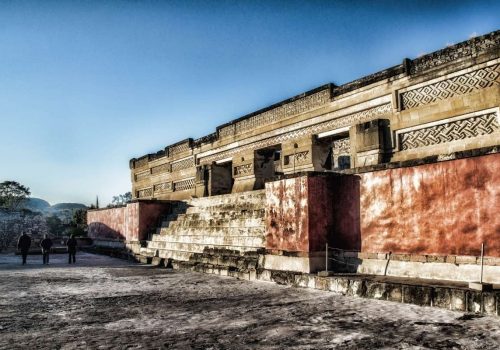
(12, 194)
(55, 225)
(78, 225)
(122, 199)
(79, 218)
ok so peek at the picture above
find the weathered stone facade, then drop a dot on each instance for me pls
(397, 172)
(440, 103)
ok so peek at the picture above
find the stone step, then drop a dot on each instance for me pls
(209, 232)
(203, 225)
(239, 262)
(213, 215)
(225, 208)
(183, 251)
(239, 241)
(242, 197)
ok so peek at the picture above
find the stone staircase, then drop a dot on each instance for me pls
(225, 233)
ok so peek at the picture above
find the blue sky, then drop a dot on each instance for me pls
(87, 85)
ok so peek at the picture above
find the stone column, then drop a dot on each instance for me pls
(372, 142)
(244, 172)
(201, 180)
(298, 155)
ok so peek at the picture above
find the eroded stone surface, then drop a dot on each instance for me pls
(107, 303)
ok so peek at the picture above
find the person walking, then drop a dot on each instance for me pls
(71, 244)
(23, 244)
(46, 244)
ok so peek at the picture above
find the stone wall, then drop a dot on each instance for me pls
(132, 222)
(13, 223)
(298, 213)
(443, 208)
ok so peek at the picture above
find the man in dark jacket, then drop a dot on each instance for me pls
(71, 244)
(23, 244)
(46, 244)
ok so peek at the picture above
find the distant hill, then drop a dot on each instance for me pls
(66, 206)
(42, 206)
(36, 204)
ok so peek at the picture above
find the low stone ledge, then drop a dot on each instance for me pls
(425, 258)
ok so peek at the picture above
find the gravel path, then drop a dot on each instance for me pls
(105, 303)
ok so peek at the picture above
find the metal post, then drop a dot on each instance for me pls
(482, 259)
(326, 258)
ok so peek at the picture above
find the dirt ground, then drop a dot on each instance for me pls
(105, 303)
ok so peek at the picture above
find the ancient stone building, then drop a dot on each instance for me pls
(436, 104)
(397, 172)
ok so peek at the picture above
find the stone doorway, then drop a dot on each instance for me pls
(267, 165)
(221, 178)
(335, 151)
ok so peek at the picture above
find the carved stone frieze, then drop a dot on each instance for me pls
(164, 168)
(163, 187)
(184, 185)
(183, 164)
(452, 131)
(348, 120)
(342, 146)
(145, 192)
(279, 113)
(179, 148)
(459, 85)
(244, 169)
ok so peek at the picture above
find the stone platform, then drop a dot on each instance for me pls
(445, 294)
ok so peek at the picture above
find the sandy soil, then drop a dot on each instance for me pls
(104, 303)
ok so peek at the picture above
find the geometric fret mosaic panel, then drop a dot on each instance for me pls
(279, 113)
(183, 164)
(460, 85)
(485, 124)
(147, 192)
(184, 185)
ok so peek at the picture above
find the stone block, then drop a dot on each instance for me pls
(264, 275)
(394, 292)
(436, 258)
(339, 285)
(283, 277)
(451, 259)
(223, 271)
(458, 300)
(466, 259)
(442, 298)
(244, 275)
(400, 257)
(474, 302)
(418, 258)
(357, 288)
(305, 281)
(417, 295)
(489, 304)
(322, 283)
(208, 268)
(376, 290)
(491, 261)
(156, 261)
